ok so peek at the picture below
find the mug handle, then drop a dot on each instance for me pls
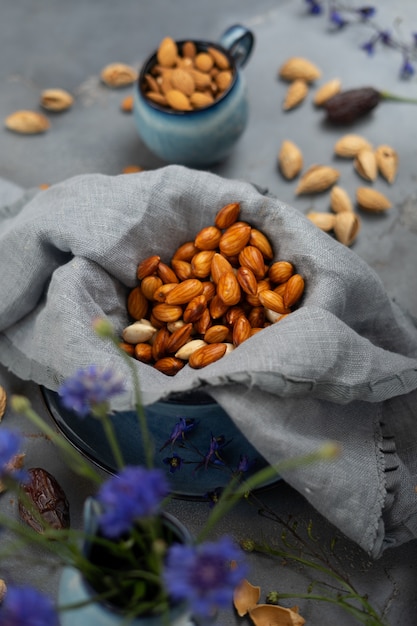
(238, 41)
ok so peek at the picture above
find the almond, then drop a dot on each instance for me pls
(126, 104)
(228, 289)
(148, 266)
(159, 343)
(272, 300)
(241, 330)
(216, 334)
(326, 91)
(220, 59)
(224, 79)
(186, 351)
(387, 162)
(317, 178)
(324, 221)
(167, 312)
(296, 93)
(149, 285)
(183, 81)
(195, 309)
(208, 238)
(178, 338)
(256, 316)
(209, 289)
(137, 304)
(56, 99)
(186, 251)
(182, 269)
(118, 75)
(252, 258)
(27, 122)
(233, 314)
(219, 265)
(128, 347)
(201, 263)
(259, 240)
(349, 145)
(346, 228)
(203, 61)
(166, 274)
(157, 97)
(290, 159)
(206, 355)
(189, 50)
(217, 307)
(203, 323)
(184, 291)
(235, 238)
(167, 52)
(280, 271)
(143, 352)
(299, 68)
(199, 100)
(340, 200)
(139, 332)
(247, 280)
(372, 200)
(365, 164)
(227, 215)
(293, 291)
(160, 293)
(177, 100)
(169, 365)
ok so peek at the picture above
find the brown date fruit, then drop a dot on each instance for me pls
(49, 502)
(347, 106)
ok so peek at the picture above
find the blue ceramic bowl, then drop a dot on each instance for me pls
(196, 442)
(203, 136)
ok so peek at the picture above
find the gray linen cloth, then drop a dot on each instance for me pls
(342, 367)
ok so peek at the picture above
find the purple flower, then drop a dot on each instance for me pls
(315, 7)
(244, 464)
(178, 432)
(202, 575)
(89, 388)
(10, 442)
(337, 19)
(366, 12)
(369, 46)
(25, 606)
(133, 494)
(175, 463)
(385, 37)
(407, 70)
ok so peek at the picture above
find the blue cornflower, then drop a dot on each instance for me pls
(407, 70)
(183, 426)
(337, 19)
(244, 464)
(90, 387)
(175, 462)
(202, 575)
(133, 494)
(315, 7)
(369, 46)
(366, 12)
(10, 442)
(385, 37)
(25, 606)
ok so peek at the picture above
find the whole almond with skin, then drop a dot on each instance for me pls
(126, 104)
(220, 59)
(137, 304)
(349, 145)
(206, 355)
(316, 179)
(326, 91)
(208, 238)
(189, 50)
(387, 162)
(118, 75)
(252, 257)
(259, 240)
(56, 100)
(3, 401)
(167, 52)
(186, 251)
(169, 365)
(228, 289)
(203, 61)
(290, 159)
(182, 269)
(160, 293)
(27, 122)
(209, 289)
(256, 317)
(217, 307)
(233, 314)
(346, 227)
(241, 330)
(167, 312)
(372, 200)
(149, 285)
(184, 291)
(127, 347)
(201, 326)
(178, 338)
(365, 164)
(219, 265)
(234, 238)
(299, 68)
(143, 352)
(280, 271)
(296, 93)
(200, 100)
(247, 280)
(182, 80)
(195, 309)
(340, 200)
(177, 100)
(324, 221)
(227, 215)
(157, 97)
(166, 274)
(216, 334)
(148, 266)
(201, 263)
(224, 79)
(293, 291)
(159, 343)
(272, 300)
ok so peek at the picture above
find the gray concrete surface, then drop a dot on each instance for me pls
(51, 43)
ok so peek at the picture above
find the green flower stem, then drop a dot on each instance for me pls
(108, 427)
(233, 492)
(386, 95)
(20, 404)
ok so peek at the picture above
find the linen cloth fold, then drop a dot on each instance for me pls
(343, 366)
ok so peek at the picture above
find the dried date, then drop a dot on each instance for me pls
(347, 106)
(49, 502)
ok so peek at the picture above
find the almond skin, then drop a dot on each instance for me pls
(148, 266)
(137, 304)
(206, 355)
(259, 240)
(293, 291)
(252, 258)
(169, 365)
(234, 238)
(228, 289)
(184, 291)
(227, 215)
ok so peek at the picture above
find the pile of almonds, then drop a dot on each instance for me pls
(187, 78)
(218, 290)
(368, 162)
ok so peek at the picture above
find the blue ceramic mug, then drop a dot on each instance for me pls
(203, 136)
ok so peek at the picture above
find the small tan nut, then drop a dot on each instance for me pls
(139, 332)
(326, 91)
(346, 228)
(118, 75)
(299, 67)
(27, 122)
(316, 179)
(387, 162)
(324, 221)
(372, 200)
(167, 52)
(182, 80)
(177, 100)
(187, 349)
(296, 93)
(290, 159)
(365, 164)
(3, 590)
(126, 104)
(340, 200)
(56, 99)
(349, 145)
(3, 401)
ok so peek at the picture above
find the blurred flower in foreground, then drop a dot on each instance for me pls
(25, 606)
(10, 442)
(90, 387)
